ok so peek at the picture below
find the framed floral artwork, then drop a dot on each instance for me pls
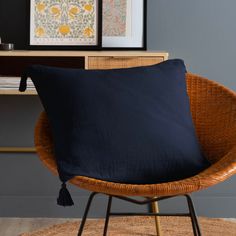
(124, 24)
(65, 24)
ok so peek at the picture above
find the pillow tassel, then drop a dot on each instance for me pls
(23, 83)
(64, 198)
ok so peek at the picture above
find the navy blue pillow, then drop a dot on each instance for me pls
(122, 125)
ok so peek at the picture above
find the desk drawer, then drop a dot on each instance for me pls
(110, 62)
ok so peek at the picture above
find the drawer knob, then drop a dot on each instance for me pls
(123, 57)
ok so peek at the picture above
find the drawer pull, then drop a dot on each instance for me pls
(123, 57)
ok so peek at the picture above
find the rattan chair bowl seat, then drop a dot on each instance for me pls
(213, 110)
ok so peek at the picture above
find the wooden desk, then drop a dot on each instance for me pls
(13, 63)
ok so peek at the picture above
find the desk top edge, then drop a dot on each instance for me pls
(24, 53)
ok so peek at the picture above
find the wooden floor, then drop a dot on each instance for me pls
(16, 226)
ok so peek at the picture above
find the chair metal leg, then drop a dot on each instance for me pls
(154, 204)
(107, 215)
(81, 228)
(193, 215)
(155, 209)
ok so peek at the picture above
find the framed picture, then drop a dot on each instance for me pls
(124, 24)
(65, 24)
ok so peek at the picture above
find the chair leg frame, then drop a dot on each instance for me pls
(192, 213)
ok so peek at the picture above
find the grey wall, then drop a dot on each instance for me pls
(201, 32)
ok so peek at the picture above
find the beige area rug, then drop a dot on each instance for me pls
(141, 226)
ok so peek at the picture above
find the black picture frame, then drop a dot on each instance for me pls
(144, 43)
(71, 47)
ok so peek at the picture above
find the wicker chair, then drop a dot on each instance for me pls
(214, 113)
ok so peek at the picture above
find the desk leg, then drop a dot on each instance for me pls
(155, 209)
(17, 150)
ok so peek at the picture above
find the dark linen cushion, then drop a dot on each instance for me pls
(122, 125)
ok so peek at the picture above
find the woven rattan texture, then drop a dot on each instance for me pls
(121, 62)
(213, 110)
